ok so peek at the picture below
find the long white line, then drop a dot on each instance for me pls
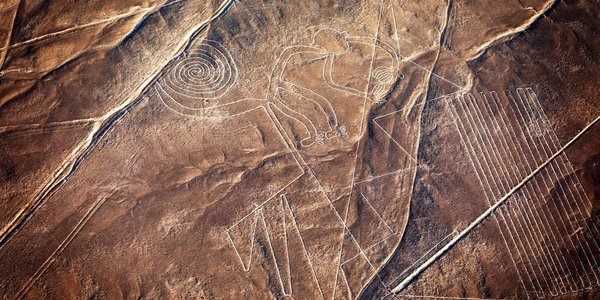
(526, 196)
(9, 36)
(481, 177)
(519, 137)
(488, 212)
(480, 143)
(134, 12)
(364, 112)
(560, 216)
(555, 142)
(493, 152)
(528, 98)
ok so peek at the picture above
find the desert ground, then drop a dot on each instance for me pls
(374, 149)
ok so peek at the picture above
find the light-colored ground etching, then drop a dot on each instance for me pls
(322, 202)
(497, 206)
(195, 83)
(126, 174)
(367, 244)
(289, 230)
(204, 73)
(16, 142)
(541, 224)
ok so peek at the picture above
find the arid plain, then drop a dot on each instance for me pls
(375, 149)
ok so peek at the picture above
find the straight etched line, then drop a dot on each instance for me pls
(312, 269)
(528, 199)
(9, 36)
(394, 140)
(529, 100)
(527, 135)
(486, 187)
(525, 228)
(565, 160)
(556, 142)
(530, 271)
(490, 210)
(551, 168)
(560, 171)
(287, 251)
(424, 255)
(535, 184)
(83, 26)
(68, 239)
(377, 213)
(362, 121)
(264, 223)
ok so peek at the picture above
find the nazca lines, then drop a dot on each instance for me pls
(286, 213)
(283, 226)
(205, 73)
(541, 225)
(379, 80)
(261, 214)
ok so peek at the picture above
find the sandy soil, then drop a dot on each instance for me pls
(299, 150)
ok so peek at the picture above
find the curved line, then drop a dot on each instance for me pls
(177, 108)
(328, 77)
(317, 95)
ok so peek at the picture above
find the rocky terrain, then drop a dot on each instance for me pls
(376, 149)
